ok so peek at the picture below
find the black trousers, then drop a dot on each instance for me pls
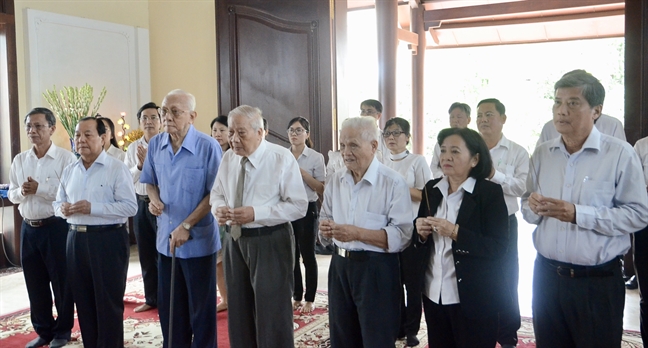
(259, 285)
(43, 261)
(145, 226)
(305, 246)
(412, 310)
(194, 302)
(448, 327)
(509, 318)
(364, 305)
(584, 312)
(641, 270)
(97, 268)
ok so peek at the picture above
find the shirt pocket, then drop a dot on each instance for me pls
(597, 193)
(193, 180)
(101, 193)
(373, 221)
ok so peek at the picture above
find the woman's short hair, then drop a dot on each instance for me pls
(113, 140)
(365, 124)
(476, 145)
(222, 119)
(149, 105)
(401, 122)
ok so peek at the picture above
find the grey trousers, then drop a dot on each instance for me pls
(259, 273)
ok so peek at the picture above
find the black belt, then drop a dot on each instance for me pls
(358, 255)
(94, 228)
(564, 269)
(257, 231)
(41, 222)
(144, 198)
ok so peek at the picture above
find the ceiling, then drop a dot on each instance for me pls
(464, 23)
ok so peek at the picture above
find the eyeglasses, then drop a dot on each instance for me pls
(153, 118)
(296, 131)
(176, 113)
(37, 127)
(394, 133)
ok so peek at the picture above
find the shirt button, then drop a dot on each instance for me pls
(459, 280)
(456, 263)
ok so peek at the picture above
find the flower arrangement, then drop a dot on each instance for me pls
(131, 136)
(72, 104)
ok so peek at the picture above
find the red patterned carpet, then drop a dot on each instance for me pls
(143, 329)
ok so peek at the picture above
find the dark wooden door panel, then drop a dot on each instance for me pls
(276, 55)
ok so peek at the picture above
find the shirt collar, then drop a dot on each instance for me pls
(51, 152)
(503, 142)
(370, 176)
(468, 185)
(188, 143)
(101, 159)
(593, 142)
(257, 156)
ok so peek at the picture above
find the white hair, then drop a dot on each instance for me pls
(191, 100)
(253, 114)
(365, 124)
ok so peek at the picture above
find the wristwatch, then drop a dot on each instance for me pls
(186, 226)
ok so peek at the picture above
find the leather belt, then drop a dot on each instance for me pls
(564, 269)
(94, 228)
(40, 222)
(358, 255)
(144, 198)
(257, 231)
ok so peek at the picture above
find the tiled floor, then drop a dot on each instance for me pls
(13, 295)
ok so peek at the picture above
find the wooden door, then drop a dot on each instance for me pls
(278, 55)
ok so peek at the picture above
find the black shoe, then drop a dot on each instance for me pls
(632, 283)
(37, 342)
(412, 341)
(58, 342)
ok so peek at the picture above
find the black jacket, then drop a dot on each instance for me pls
(478, 252)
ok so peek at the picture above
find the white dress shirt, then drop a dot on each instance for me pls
(441, 275)
(641, 148)
(273, 185)
(604, 180)
(312, 162)
(434, 163)
(335, 162)
(131, 163)
(46, 171)
(511, 162)
(379, 201)
(605, 124)
(414, 169)
(107, 185)
(116, 153)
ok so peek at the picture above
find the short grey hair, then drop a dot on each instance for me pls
(190, 98)
(365, 124)
(252, 113)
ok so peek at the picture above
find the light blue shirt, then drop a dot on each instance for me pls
(184, 179)
(604, 180)
(106, 185)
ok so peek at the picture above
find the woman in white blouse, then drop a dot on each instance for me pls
(220, 131)
(111, 147)
(462, 230)
(416, 172)
(311, 164)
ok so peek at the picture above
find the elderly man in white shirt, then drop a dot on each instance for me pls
(585, 191)
(257, 192)
(510, 169)
(144, 222)
(96, 196)
(367, 213)
(33, 184)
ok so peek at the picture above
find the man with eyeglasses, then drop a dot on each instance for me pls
(179, 171)
(33, 183)
(373, 108)
(145, 224)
